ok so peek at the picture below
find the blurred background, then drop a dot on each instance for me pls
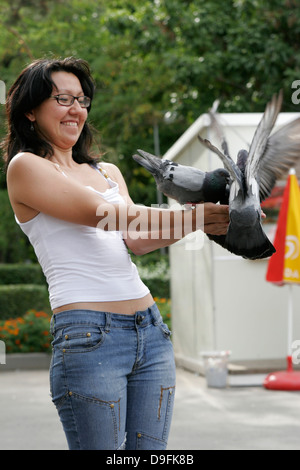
(158, 65)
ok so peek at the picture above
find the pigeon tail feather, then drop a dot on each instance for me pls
(253, 245)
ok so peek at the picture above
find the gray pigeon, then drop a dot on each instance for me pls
(186, 184)
(252, 179)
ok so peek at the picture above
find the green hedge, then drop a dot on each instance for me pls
(23, 286)
(154, 270)
(21, 274)
(158, 287)
(16, 300)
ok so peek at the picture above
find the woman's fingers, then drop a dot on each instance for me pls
(216, 219)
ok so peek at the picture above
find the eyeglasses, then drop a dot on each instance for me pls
(68, 100)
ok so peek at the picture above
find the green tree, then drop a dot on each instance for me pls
(158, 59)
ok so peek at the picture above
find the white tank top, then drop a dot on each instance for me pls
(82, 264)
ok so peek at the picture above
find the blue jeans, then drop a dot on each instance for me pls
(112, 379)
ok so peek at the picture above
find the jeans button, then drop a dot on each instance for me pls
(139, 319)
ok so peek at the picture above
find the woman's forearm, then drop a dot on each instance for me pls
(145, 222)
(145, 244)
(147, 229)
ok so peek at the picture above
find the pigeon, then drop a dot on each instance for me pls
(243, 185)
(185, 184)
(252, 179)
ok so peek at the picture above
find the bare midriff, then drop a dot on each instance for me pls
(126, 307)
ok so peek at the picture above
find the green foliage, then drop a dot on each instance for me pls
(29, 333)
(15, 300)
(158, 62)
(164, 306)
(14, 245)
(21, 274)
(154, 271)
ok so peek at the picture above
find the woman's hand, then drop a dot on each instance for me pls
(216, 219)
(210, 218)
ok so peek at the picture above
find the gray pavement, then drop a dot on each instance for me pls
(236, 418)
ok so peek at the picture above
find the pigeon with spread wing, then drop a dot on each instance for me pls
(252, 179)
(243, 185)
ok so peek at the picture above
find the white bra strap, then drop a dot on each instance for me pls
(103, 172)
(59, 169)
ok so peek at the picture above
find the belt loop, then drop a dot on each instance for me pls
(151, 315)
(108, 322)
(155, 314)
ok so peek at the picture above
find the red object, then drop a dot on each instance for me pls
(288, 380)
(276, 263)
(284, 268)
(274, 201)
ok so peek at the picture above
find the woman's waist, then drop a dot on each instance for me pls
(125, 307)
(103, 320)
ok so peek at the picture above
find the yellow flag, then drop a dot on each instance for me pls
(292, 242)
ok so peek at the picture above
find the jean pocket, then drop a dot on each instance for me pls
(76, 339)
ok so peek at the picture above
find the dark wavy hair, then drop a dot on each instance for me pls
(32, 87)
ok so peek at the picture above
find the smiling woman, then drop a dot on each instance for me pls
(59, 123)
(35, 85)
(110, 345)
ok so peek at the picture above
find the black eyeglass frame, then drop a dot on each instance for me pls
(87, 100)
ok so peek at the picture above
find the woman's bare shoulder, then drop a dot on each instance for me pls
(110, 168)
(29, 165)
(26, 160)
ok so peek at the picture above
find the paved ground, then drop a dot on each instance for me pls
(236, 418)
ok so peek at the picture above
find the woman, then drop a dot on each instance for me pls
(112, 374)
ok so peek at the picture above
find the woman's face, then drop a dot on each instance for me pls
(60, 125)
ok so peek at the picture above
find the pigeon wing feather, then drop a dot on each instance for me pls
(185, 177)
(282, 153)
(218, 128)
(229, 165)
(261, 137)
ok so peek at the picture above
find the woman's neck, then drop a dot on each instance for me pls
(63, 157)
